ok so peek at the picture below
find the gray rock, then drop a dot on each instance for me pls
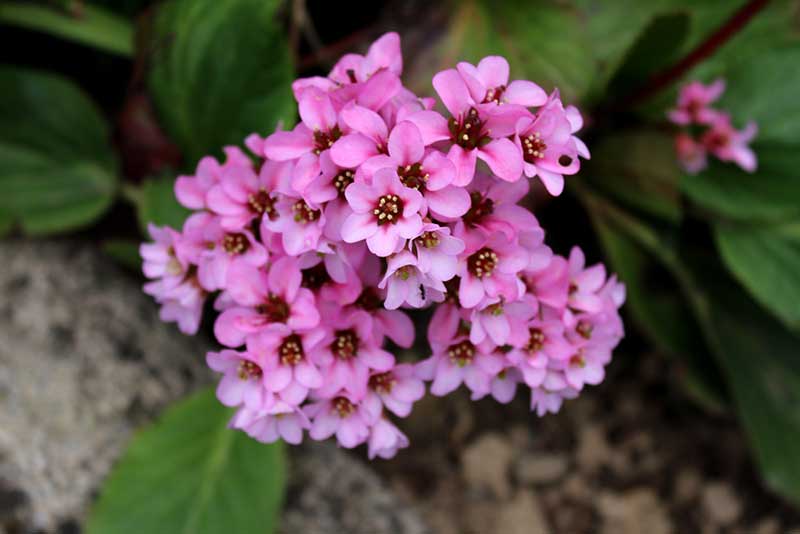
(331, 492)
(84, 360)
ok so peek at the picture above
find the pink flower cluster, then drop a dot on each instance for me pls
(373, 206)
(709, 131)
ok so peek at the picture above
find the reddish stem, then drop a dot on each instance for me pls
(724, 33)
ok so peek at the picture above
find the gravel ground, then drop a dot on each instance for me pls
(629, 457)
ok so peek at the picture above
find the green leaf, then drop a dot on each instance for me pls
(89, 25)
(57, 168)
(542, 41)
(764, 89)
(767, 263)
(190, 474)
(638, 168)
(156, 203)
(761, 364)
(655, 48)
(124, 252)
(655, 302)
(772, 193)
(221, 71)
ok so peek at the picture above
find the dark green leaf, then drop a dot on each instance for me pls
(124, 252)
(767, 263)
(772, 193)
(88, 25)
(761, 364)
(156, 203)
(639, 169)
(542, 41)
(57, 168)
(190, 474)
(221, 70)
(655, 48)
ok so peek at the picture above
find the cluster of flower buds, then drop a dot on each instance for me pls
(708, 130)
(320, 245)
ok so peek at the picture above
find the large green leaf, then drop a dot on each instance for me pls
(542, 41)
(87, 25)
(156, 203)
(761, 361)
(767, 263)
(57, 168)
(638, 168)
(220, 71)
(772, 193)
(190, 474)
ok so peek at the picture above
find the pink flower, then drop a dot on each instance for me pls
(281, 421)
(490, 270)
(437, 252)
(191, 190)
(342, 416)
(694, 100)
(386, 213)
(385, 440)
(429, 172)
(242, 382)
(369, 137)
(476, 131)
(405, 283)
(349, 353)
(488, 83)
(398, 388)
(393, 324)
(262, 298)
(289, 370)
(729, 144)
(458, 362)
(299, 224)
(242, 195)
(585, 283)
(549, 149)
(216, 249)
(538, 343)
(544, 401)
(495, 318)
(692, 154)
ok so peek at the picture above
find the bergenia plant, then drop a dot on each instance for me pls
(319, 249)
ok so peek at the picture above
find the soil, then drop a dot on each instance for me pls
(630, 456)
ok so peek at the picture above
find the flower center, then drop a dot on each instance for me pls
(382, 382)
(343, 406)
(536, 341)
(248, 370)
(342, 180)
(468, 132)
(494, 94)
(413, 176)
(324, 140)
(461, 354)
(315, 277)
(388, 209)
(533, 147)
(584, 328)
(303, 214)
(261, 203)
(428, 240)
(274, 309)
(291, 350)
(480, 207)
(345, 346)
(577, 360)
(235, 244)
(482, 263)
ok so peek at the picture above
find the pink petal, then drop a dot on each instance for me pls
(431, 124)
(493, 71)
(405, 144)
(504, 158)
(525, 93)
(464, 161)
(453, 91)
(282, 146)
(358, 226)
(352, 150)
(316, 110)
(366, 122)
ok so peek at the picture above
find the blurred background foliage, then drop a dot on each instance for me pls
(91, 138)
